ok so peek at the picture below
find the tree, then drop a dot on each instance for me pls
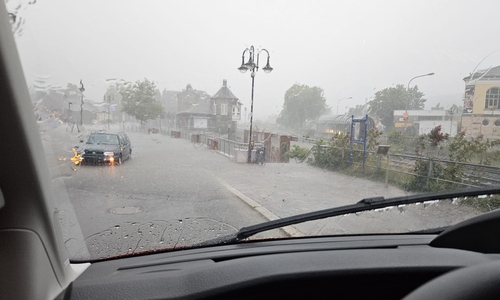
(359, 110)
(139, 101)
(302, 104)
(395, 98)
(437, 107)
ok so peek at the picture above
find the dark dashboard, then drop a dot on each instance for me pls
(461, 262)
(378, 266)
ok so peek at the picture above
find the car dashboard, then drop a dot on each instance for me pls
(354, 267)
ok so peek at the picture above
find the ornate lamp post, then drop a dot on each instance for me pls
(253, 67)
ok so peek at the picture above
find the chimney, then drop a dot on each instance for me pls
(224, 83)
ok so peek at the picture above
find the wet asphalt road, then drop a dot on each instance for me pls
(173, 193)
(166, 196)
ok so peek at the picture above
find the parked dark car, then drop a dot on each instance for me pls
(107, 148)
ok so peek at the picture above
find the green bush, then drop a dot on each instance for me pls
(297, 152)
(431, 149)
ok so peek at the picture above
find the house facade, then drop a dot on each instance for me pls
(193, 110)
(198, 111)
(226, 110)
(423, 121)
(481, 112)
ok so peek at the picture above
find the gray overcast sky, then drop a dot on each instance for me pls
(348, 48)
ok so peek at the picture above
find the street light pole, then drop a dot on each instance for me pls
(339, 102)
(253, 67)
(405, 115)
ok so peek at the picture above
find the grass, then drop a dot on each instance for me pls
(483, 204)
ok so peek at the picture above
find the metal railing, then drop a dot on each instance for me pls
(209, 140)
(471, 175)
(229, 148)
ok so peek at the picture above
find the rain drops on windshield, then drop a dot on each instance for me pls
(162, 134)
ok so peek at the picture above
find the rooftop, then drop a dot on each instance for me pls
(202, 108)
(224, 92)
(490, 73)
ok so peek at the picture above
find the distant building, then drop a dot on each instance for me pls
(481, 114)
(423, 121)
(329, 125)
(198, 111)
(169, 101)
(226, 109)
(189, 98)
(193, 109)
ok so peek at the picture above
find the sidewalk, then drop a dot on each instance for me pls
(280, 190)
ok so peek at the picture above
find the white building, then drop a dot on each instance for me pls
(423, 121)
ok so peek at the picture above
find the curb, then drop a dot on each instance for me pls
(266, 213)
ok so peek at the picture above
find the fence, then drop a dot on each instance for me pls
(235, 150)
(397, 167)
(416, 172)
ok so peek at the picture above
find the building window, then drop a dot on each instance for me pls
(236, 111)
(214, 109)
(486, 122)
(223, 109)
(492, 98)
(497, 122)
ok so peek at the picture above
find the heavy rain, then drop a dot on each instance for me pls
(314, 111)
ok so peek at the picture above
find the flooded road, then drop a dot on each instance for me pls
(173, 193)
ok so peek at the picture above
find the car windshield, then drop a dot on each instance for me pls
(234, 113)
(109, 139)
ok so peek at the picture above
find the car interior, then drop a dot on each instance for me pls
(462, 262)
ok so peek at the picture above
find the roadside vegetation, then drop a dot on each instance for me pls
(431, 162)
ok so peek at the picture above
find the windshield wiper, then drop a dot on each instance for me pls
(363, 205)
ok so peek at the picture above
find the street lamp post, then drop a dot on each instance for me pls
(253, 67)
(339, 102)
(405, 115)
